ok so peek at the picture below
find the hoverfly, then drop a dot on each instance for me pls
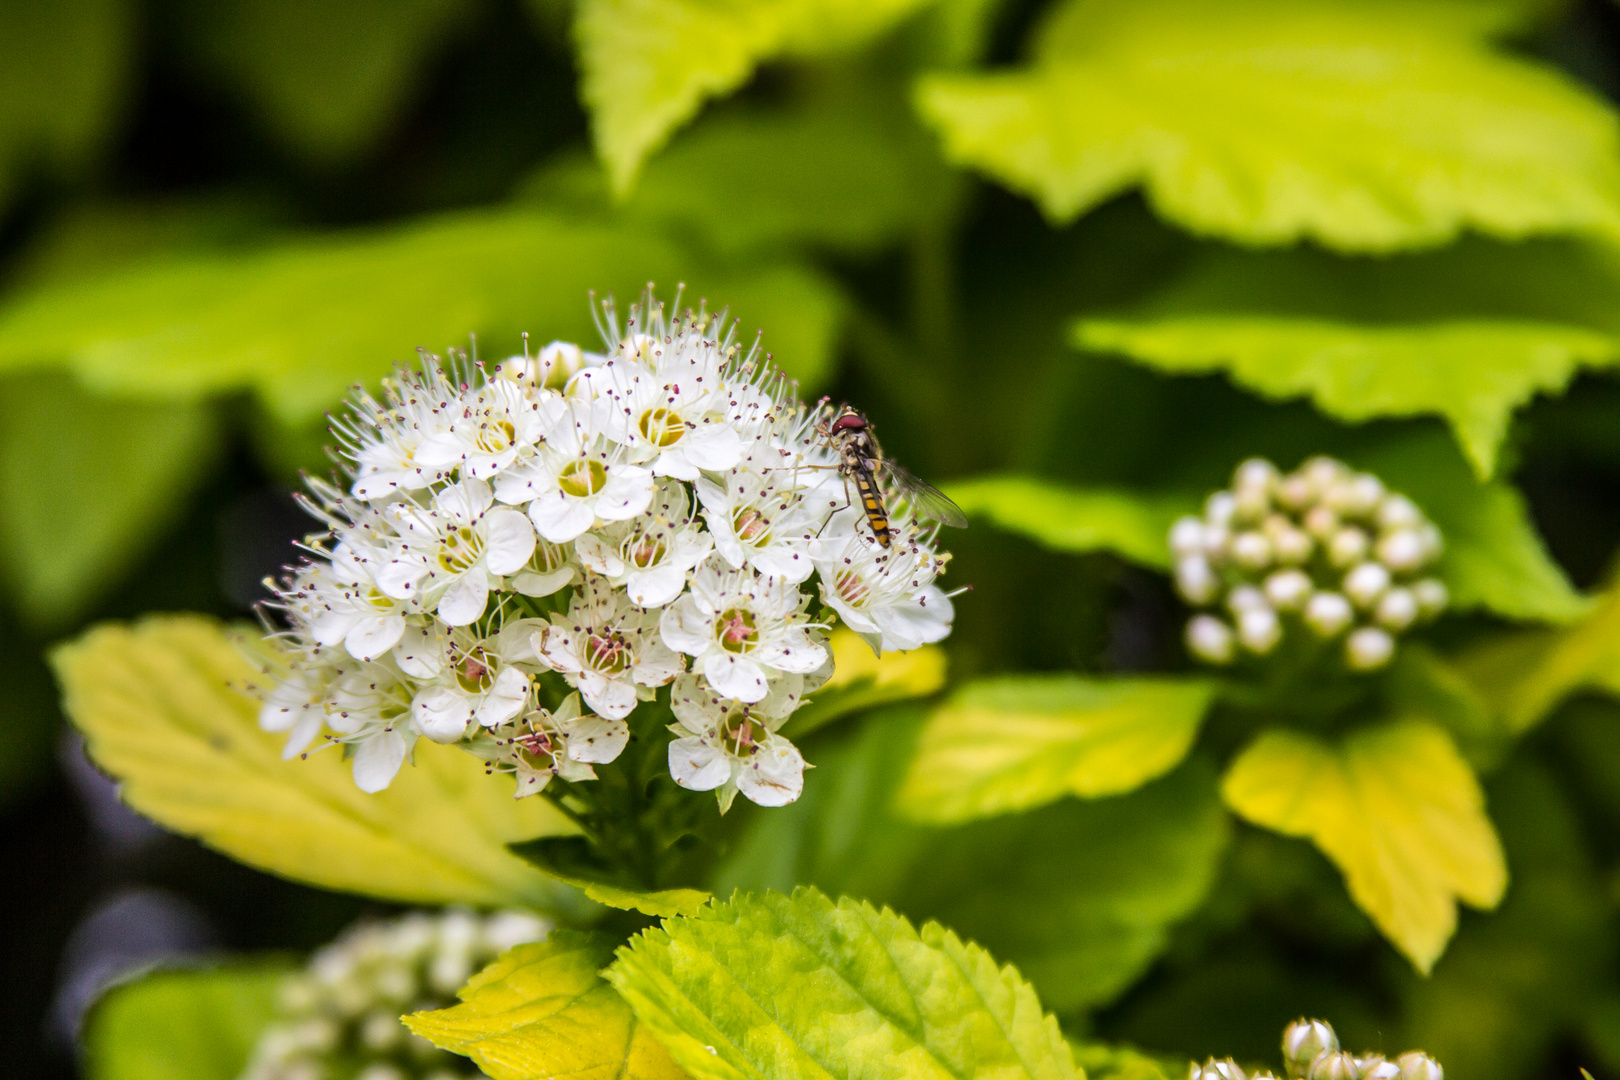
(861, 461)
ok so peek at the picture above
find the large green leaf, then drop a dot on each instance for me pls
(85, 482)
(1368, 125)
(1016, 742)
(1076, 519)
(1398, 811)
(798, 987)
(182, 1025)
(650, 64)
(303, 321)
(326, 78)
(862, 680)
(163, 709)
(542, 1012)
(1081, 927)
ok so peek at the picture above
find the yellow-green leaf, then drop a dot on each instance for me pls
(1008, 744)
(1366, 125)
(542, 1012)
(1076, 519)
(1396, 809)
(661, 904)
(862, 680)
(162, 708)
(648, 65)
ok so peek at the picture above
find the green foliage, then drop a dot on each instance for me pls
(163, 707)
(541, 1011)
(648, 65)
(182, 1025)
(303, 321)
(1011, 744)
(783, 987)
(1399, 812)
(863, 681)
(85, 482)
(1077, 520)
(1365, 126)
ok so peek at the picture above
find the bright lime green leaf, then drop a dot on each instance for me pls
(1367, 125)
(661, 904)
(182, 1025)
(304, 321)
(542, 1012)
(1472, 373)
(60, 89)
(648, 65)
(798, 987)
(1082, 927)
(862, 681)
(1494, 558)
(1076, 519)
(326, 78)
(1012, 743)
(85, 483)
(1397, 810)
(164, 709)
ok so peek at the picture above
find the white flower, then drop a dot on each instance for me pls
(297, 705)
(549, 568)
(741, 628)
(577, 478)
(763, 514)
(669, 412)
(887, 595)
(382, 438)
(466, 679)
(488, 429)
(732, 746)
(542, 744)
(339, 603)
(449, 556)
(649, 555)
(607, 649)
(368, 707)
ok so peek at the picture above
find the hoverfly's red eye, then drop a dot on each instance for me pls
(849, 422)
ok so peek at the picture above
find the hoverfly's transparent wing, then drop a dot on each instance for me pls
(925, 501)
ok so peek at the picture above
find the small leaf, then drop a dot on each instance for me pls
(1077, 519)
(163, 710)
(1009, 744)
(182, 1025)
(1396, 809)
(1366, 126)
(648, 65)
(76, 513)
(1473, 373)
(863, 681)
(542, 1012)
(798, 987)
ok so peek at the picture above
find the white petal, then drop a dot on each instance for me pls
(464, 601)
(789, 562)
(440, 450)
(656, 587)
(559, 518)
(506, 699)
(908, 626)
(378, 759)
(685, 628)
(598, 556)
(420, 652)
(597, 739)
(465, 502)
(696, 766)
(304, 730)
(734, 676)
(510, 540)
(695, 705)
(712, 447)
(657, 664)
(795, 650)
(371, 637)
(399, 579)
(628, 492)
(330, 626)
(612, 698)
(774, 776)
(441, 713)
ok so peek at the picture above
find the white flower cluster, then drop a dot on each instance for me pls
(1311, 1052)
(660, 515)
(339, 1017)
(1324, 546)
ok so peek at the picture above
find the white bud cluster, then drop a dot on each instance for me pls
(1311, 1052)
(1324, 548)
(339, 1017)
(663, 514)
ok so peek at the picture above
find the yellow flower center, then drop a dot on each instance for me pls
(582, 478)
(661, 427)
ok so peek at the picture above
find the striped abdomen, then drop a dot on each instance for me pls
(872, 504)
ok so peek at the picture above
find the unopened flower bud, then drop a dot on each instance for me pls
(1187, 537)
(379, 1071)
(1323, 472)
(1321, 523)
(1431, 596)
(1328, 613)
(1364, 492)
(1365, 583)
(1245, 598)
(1333, 1065)
(1217, 543)
(1416, 1065)
(1398, 512)
(1402, 550)
(1250, 505)
(1196, 580)
(1434, 544)
(1294, 492)
(1259, 630)
(1292, 547)
(1374, 1067)
(1397, 609)
(1219, 507)
(1222, 1069)
(1210, 639)
(1303, 1040)
(1251, 551)
(380, 1031)
(1368, 648)
(1288, 589)
(1347, 547)
(1256, 473)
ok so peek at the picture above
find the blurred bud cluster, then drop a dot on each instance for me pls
(1324, 551)
(340, 1015)
(1311, 1052)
